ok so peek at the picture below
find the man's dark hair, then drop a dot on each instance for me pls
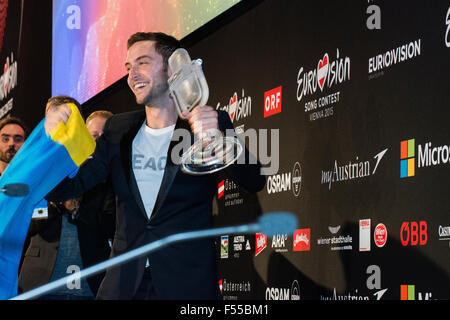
(165, 44)
(14, 120)
(59, 100)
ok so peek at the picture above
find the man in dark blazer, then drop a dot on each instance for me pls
(96, 218)
(182, 202)
(73, 228)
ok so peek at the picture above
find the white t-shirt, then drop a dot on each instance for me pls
(149, 156)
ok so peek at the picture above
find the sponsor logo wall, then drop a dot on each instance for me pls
(348, 103)
(9, 45)
(25, 59)
(361, 107)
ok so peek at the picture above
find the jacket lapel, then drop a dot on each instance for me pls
(170, 171)
(126, 157)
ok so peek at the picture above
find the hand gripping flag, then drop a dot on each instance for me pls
(42, 163)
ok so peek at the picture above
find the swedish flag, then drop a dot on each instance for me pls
(42, 163)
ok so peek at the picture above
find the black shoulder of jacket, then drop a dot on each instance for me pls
(119, 124)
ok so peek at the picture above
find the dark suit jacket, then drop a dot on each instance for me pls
(95, 225)
(185, 270)
(40, 256)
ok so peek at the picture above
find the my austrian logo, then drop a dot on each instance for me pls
(351, 170)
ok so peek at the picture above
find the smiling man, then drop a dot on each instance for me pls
(155, 201)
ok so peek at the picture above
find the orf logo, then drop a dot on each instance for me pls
(272, 102)
(413, 233)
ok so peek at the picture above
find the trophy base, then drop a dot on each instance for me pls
(215, 156)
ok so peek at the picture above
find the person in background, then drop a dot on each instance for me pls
(13, 133)
(96, 122)
(12, 137)
(97, 213)
(57, 242)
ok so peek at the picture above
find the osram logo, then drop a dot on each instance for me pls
(278, 294)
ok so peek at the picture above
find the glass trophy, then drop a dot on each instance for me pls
(187, 84)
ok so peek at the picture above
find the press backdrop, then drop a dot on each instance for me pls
(352, 98)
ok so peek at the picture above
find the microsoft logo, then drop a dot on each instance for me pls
(407, 292)
(427, 156)
(407, 158)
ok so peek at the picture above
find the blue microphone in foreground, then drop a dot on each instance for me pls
(269, 224)
(277, 223)
(15, 190)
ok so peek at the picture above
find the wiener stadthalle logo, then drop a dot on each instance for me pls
(427, 155)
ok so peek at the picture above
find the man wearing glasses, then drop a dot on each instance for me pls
(12, 137)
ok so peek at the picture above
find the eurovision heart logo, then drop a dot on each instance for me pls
(232, 106)
(322, 71)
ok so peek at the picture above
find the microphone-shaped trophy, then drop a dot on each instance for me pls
(188, 87)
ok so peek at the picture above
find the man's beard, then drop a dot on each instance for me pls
(156, 93)
(8, 155)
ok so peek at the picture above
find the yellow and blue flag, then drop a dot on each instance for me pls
(41, 163)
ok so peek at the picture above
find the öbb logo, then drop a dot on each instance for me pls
(413, 233)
